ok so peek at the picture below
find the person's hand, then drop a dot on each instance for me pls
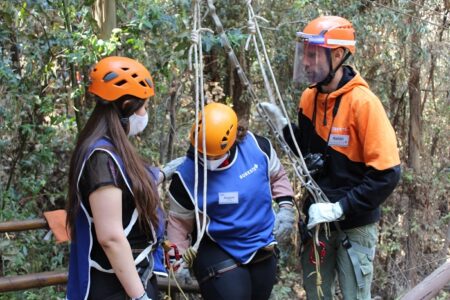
(284, 224)
(170, 168)
(143, 297)
(323, 212)
(275, 115)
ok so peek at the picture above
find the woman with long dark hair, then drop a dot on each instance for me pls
(113, 206)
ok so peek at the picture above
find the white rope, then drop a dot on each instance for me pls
(195, 40)
(196, 50)
(297, 161)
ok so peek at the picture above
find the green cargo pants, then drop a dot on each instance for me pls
(338, 263)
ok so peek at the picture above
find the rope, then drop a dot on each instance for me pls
(298, 162)
(189, 256)
(318, 275)
(172, 275)
(196, 49)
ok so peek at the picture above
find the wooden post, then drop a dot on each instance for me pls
(23, 225)
(23, 282)
(37, 280)
(431, 285)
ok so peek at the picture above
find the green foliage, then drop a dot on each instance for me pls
(47, 48)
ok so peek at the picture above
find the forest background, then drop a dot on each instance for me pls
(47, 48)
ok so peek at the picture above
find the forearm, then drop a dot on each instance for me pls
(119, 255)
(372, 192)
(281, 187)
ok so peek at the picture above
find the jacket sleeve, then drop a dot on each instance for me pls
(381, 157)
(372, 192)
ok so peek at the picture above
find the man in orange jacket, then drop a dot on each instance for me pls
(350, 146)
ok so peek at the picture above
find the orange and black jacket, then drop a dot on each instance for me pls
(362, 164)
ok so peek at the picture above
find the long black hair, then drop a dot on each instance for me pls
(110, 119)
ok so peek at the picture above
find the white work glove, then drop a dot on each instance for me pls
(284, 224)
(275, 115)
(324, 212)
(170, 168)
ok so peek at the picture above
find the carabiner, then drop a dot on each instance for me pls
(168, 246)
(322, 252)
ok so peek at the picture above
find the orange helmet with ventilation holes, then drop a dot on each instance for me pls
(330, 32)
(221, 124)
(115, 76)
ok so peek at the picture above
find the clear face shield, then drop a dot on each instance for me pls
(310, 62)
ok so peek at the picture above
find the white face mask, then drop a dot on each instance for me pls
(137, 123)
(213, 164)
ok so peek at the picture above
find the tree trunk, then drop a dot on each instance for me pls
(414, 138)
(105, 14)
(240, 105)
(171, 108)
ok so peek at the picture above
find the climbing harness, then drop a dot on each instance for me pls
(224, 266)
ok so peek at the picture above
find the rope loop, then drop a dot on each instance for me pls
(189, 256)
(251, 27)
(194, 37)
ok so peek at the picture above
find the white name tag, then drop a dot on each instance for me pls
(339, 140)
(229, 198)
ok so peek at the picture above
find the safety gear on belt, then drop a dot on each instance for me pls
(114, 77)
(324, 212)
(170, 168)
(284, 224)
(221, 124)
(275, 115)
(137, 123)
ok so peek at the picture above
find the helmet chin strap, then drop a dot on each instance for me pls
(332, 72)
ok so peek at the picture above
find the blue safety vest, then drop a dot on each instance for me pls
(239, 200)
(80, 259)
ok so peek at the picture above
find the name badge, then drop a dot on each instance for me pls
(338, 140)
(229, 198)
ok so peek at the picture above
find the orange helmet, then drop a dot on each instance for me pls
(114, 77)
(330, 32)
(221, 128)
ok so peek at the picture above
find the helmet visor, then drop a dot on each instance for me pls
(310, 63)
